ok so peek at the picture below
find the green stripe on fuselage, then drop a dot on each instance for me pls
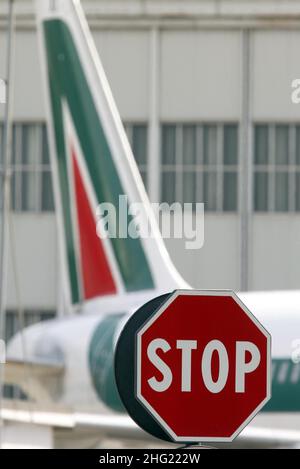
(101, 361)
(68, 83)
(285, 386)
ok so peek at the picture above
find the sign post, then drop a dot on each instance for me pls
(194, 366)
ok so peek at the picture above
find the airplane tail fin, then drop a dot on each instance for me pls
(93, 164)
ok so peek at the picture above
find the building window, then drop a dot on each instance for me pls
(200, 164)
(276, 168)
(138, 138)
(31, 188)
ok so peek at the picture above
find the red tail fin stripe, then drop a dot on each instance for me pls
(97, 277)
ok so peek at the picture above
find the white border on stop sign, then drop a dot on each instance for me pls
(152, 411)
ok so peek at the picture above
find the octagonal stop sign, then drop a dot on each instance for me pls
(198, 366)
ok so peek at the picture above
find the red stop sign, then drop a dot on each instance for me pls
(203, 366)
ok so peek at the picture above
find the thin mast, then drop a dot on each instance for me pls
(6, 183)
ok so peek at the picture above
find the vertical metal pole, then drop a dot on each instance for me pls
(154, 121)
(6, 178)
(246, 163)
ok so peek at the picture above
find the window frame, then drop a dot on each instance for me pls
(38, 168)
(201, 168)
(272, 169)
